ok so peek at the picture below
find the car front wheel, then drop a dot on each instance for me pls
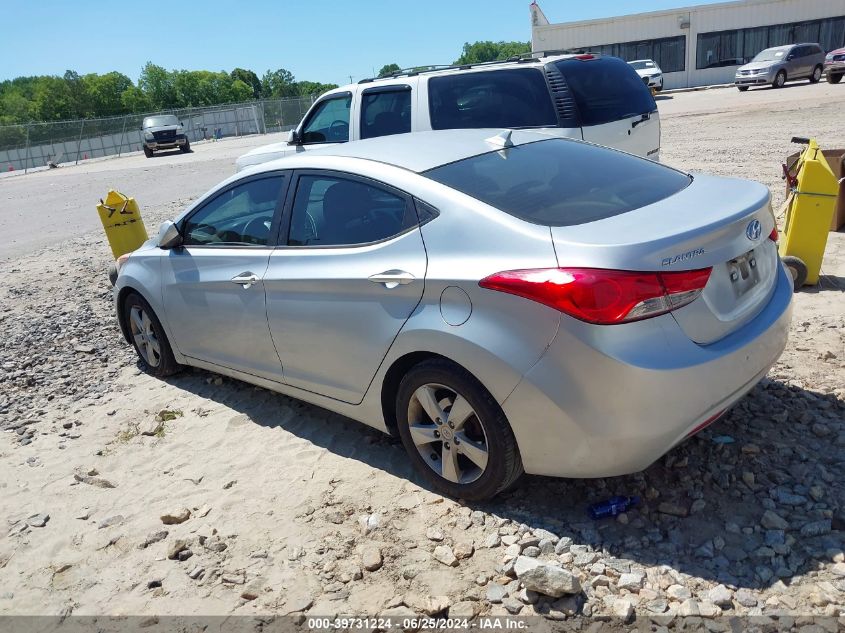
(148, 337)
(833, 78)
(186, 147)
(780, 79)
(742, 88)
(455, 433)
(148, 152)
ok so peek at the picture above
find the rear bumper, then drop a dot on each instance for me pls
(611, 400)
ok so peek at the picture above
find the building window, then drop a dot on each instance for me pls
(737, 47)
(668, 52)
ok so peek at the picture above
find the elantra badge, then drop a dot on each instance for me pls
(754, 230)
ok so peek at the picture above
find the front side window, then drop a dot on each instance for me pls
(560, 182)
(329, 122)
(496, 99)
(240, 216)
(386, 112)
(334, 211)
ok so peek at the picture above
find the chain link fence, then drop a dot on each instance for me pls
(38, 145)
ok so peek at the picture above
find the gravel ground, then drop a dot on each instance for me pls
(127, 495)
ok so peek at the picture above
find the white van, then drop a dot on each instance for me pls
(591, 97)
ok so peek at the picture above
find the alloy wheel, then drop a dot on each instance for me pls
(146, 342)
(447, 433)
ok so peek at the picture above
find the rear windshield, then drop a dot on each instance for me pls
(511, 98)
(560, 182)
(606, 89)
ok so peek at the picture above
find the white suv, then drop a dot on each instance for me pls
(591, 97)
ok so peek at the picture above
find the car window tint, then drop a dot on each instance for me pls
(330, 211)
(386, 112)
(503, 98)
(241, 215)
(561, 182)
(606, 89)
(329, 122)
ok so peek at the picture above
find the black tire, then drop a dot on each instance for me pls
(742, 88)
(816, 77)
(148, 152)
(113, 273)
(186, 147)
(166, 364)
(504, 465)
(834, 78)
(780, 79)
(798, 269)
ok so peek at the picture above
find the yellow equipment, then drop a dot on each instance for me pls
(809, 211)
(122, 222)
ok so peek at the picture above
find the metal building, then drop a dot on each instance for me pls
(700, 45)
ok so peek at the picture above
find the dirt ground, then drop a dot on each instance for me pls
(123, 494)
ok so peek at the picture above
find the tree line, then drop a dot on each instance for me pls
(75, 96)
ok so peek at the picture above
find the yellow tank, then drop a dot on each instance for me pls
(808, 216)
(122, 222)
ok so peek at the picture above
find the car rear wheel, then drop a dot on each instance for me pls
(834, 78)
(780, 79)
(148, 337)
(455, 433)
(797, 269)
(817, 75)
(148, 152)
(742, 88)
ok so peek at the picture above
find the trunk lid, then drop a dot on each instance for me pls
(715, 222)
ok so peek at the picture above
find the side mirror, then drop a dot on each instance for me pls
(168, 235)
(294, 138)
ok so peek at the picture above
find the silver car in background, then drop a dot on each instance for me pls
(775, 66)
(503, 301)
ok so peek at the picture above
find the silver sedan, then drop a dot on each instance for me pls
(503, 301)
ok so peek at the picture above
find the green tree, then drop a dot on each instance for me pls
(242, 91)
(157, 83)
(103, 94)
(135, 101)
(53, 100)
(388, 69)
(312, 88)
(278, 83)
(249, 78)
(488, 51)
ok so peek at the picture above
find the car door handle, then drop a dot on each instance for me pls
(246, 279)
(392, 278)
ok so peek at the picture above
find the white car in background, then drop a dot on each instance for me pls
(588, 97)
(650, 73)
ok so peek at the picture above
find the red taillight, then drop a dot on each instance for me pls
(774, 234)
(602, 296)
(706, 423)
(585, 56)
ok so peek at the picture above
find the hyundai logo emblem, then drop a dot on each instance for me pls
(754, 230)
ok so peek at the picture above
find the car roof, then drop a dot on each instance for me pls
(634, 61)
(434, 71)
(417, 151)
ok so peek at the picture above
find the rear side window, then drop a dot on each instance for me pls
(386, 112)
(560, 182)
(606, 89)
(511, 98)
